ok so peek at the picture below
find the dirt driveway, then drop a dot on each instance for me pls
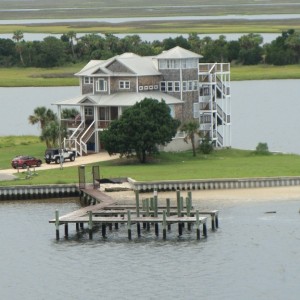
(7, 174)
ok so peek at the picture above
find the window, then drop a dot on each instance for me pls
(124, 85)
(196, 109)
(88, 111)
(184, 86)
(190, 85)
(195, 85)
(170, 86)
(101, 85)
(88, 80)
(163, 86)
(169, 63)
(176, 86)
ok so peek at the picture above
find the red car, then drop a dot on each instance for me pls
(25, 161)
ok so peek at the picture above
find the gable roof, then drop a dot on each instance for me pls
(178, 53)
(135, 64)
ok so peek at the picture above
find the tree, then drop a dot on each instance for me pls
(41, 116)
(52, 52)
(50, 134)
(140, 129)
(191, 128)
(18, 37)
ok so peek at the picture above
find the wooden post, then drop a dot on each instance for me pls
(147, 214)
(137, 204)
(198, 224)
(213, 215)
(204, 230)
(103, 230)
(129, 224)
(155, 212)
(164, 224)
(66, 230)
(90, 225)
(179, 228)
(168, 211)
(217, 220)
(57, 224)
(188, 210)
(190, 197)
(178, 202)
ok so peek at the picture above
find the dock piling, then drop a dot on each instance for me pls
(129, 224)
(90, 225)
(57, 224)
(164, 224)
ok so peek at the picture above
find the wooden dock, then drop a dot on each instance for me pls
(107, 212)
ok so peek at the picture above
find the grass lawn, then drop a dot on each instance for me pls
(225, 163)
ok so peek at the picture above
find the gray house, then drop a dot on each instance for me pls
(192, 91)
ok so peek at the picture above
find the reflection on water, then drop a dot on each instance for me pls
(252, 256)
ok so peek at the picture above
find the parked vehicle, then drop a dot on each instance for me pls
(23, 161)
(56, 154)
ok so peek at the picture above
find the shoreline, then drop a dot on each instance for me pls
(220, 197)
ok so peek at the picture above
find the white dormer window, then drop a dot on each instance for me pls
(88, 80)
(124, 85)
(101, 85)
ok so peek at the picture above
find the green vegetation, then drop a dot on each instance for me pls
(140, 129)
(19, 77)
(264, 72)
(226, 163)
(11, 146)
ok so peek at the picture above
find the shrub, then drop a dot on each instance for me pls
(262, 149)
(206, 146)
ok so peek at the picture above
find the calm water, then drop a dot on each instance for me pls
(253, 255)
(261, 111)
(175, 18)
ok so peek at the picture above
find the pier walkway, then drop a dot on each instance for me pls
(105, 212)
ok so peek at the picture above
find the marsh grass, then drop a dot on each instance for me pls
(225, 163)
(264, 72)
(26, 77)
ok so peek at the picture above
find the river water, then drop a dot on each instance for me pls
(253, 255)
(261, 111)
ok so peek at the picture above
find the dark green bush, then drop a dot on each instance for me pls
(262, 149)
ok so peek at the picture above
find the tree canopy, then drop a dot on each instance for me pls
(249, 49)
(140, 129)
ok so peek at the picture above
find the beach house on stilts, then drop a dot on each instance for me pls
(192, 90)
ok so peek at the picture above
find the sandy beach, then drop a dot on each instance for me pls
(217, 198)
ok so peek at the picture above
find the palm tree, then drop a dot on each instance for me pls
(47, 120)
(18, 37)
(50, 134)
(41, 116)
(72, 37)
(191, 128)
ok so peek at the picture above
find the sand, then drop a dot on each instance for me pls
(218, 198)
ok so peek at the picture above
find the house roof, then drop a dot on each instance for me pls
(135, 64)
(118, 99)
(178, 53)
